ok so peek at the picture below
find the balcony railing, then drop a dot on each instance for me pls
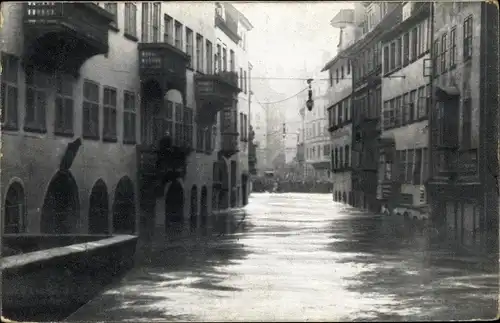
(81, 30)
(162, 59)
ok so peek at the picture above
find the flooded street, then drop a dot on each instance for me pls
(295, 257)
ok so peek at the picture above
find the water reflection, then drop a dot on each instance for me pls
(419, 275)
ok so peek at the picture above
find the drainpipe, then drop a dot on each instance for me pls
(430, 151)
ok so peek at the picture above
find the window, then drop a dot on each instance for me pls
(189, 46)
(406, 109)
(199, 52)
(386, 59)
(348, 67)
(178, 35)
(417, 177)
(392, 57)
(208, 140)
(231, 61)
(112, 8)
(167, 32)
(421, 103)
(444, 52)
(241, 78)
(156, 21)
(224, 59)
(467, 38)
(342, 72)
(326, 150)
(409, 166)
(200, 136)
(402, 166)
(146, 20)
(214, 135)
(245, 81)
(37, 84)
(397, 112)
(90, 110)
(218, 59)
(414, 44)
(188, 127)
(466, 124)
(398, 52)
(129, 116)
(369, 60)
(422, 33)
(341, 158)
(209, 51)
(411, 103)
(178, 125)
(109, 109)
(406, 49)
(453, 47)
(9, 95)
(347, 156)
(64, 105)
(425, 165)
(242, 135)
(245, 126)
(337, 75)
(130, 19)
(330, 75)
(436, 57)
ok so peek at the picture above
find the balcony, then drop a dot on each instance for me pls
(163, 64)
(159, 165)
(215, 92)
(229, 144)
(63, 35)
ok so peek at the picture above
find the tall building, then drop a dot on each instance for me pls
(403, 145)
(463, 189)
(110, 124)
(338, 98)
(365, 55)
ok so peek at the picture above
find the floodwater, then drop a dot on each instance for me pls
(296, 257)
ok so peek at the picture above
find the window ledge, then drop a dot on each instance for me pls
(91, 137)
(129, 141)
(64, 133)
(131, 37)
(109, 139)
(35, 129)
(9, 127)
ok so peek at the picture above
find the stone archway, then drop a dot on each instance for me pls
(124, 207)
(204, 206)
(174, 205)
(193, 213)
(14, 209)
(99, 209)
(244, 189)
(61, 206)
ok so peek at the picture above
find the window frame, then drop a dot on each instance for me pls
(109, 112)
(92, 107)
(130, 26)
(64, 107)
(129, 118)
(40, 93)
(9, 83)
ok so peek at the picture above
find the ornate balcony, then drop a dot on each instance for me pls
(215, 92)
(229, 144)
(63, 35)
(163, 64)
(159, 165)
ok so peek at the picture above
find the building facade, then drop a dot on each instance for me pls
(340, 108)
(259, 124)
(100, 131)
(365, 55)
(403, 145)
(463, 189)
(317, 141)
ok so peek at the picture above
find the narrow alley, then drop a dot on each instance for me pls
(301, 257)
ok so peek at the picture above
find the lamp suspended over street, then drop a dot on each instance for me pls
(310, 101)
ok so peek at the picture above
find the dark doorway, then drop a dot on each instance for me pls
(244, 190)
(61, 207)
(99, 209)
(204, 206)
(174, 204)
(124, 207)
(15, 209)
(193, 214)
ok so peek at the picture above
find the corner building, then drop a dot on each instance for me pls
(83, 113)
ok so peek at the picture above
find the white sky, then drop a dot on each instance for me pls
(289, 37)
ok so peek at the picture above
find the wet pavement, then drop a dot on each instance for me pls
(296, 257)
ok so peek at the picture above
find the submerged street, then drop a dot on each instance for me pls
(301, 257)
